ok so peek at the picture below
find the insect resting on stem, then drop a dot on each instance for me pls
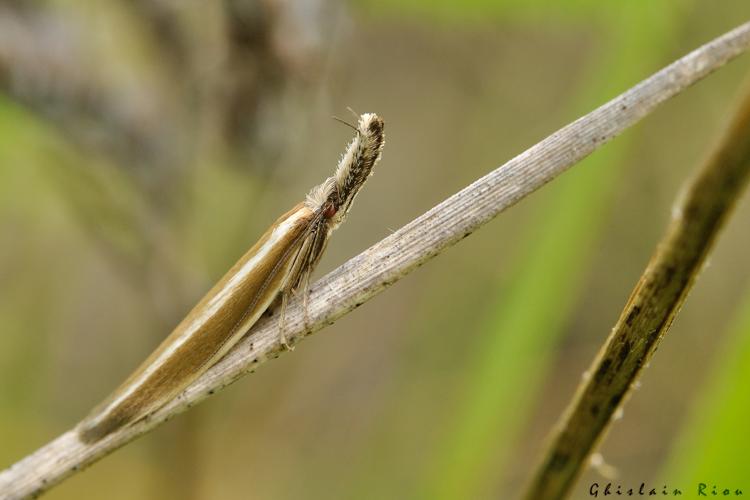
(279, 264)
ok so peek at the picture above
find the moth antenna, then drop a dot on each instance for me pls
(345, 123)
(354, 113)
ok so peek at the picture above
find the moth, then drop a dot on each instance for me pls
(279, 264)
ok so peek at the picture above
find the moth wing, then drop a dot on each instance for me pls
(209, 331)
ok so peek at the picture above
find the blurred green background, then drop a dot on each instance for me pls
(144, 145)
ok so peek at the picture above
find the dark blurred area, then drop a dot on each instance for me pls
(145, 145)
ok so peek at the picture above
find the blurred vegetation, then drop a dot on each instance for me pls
(711, 449)
(144, 146)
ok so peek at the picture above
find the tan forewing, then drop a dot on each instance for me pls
(219, 320)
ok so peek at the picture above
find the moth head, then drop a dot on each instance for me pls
(335, 196)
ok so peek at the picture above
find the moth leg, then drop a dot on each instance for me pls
(296, 272)
(312, 260)
(306, 299)
(320, 240)
(273, 308)
(282, 326)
